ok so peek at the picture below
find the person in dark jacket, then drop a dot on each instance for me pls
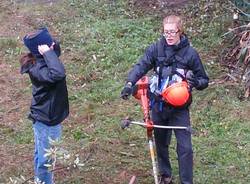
(49, 105)
(170, 55)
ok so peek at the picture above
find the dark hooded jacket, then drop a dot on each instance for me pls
(160, 54)
(49, 91)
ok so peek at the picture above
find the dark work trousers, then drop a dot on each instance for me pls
(167, 116)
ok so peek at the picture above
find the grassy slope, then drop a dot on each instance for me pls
(101, 40)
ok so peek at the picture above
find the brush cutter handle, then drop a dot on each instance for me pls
(125, 123)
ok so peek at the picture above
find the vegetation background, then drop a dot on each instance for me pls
(101, 40)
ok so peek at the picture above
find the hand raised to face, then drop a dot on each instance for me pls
(43, 48)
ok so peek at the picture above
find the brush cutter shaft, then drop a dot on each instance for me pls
(152, 154)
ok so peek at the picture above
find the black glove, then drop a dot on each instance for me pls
(126, 91)
(191, 79)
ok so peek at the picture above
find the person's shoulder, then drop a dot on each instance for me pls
(192, 50)
(152, 47)
(156, 44)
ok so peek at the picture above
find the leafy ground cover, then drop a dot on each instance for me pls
(101, 40)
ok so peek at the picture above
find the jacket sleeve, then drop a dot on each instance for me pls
(198, 70)
(146, 63)
(53, 71)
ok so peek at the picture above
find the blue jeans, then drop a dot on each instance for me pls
(42, 133)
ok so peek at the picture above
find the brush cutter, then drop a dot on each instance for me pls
(141, 93)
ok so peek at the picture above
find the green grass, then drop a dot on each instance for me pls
(101, 40)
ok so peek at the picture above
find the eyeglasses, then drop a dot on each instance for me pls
(171, 33)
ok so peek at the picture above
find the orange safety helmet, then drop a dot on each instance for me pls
(177, 94)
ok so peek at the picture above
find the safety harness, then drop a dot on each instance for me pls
(169, 61)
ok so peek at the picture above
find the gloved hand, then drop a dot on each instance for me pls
(126, 91)
(191, 79)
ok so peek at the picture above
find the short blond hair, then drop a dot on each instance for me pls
(173, 19)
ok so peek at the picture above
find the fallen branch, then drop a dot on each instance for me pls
(127, 154)
(132, 180)
(60, 168)
(234, 29)
(232, 77)
(241, 11)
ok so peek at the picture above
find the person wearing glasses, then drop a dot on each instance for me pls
(172, 58)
